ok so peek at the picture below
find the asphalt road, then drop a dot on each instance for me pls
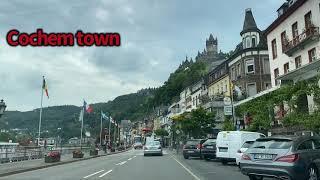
(133, 165)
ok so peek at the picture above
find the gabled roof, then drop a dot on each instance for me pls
(249, 22)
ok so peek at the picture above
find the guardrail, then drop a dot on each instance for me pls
(23, 153)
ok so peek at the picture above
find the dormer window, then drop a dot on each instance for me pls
(253, 43)
(248, 44)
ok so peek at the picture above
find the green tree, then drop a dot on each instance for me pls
(5, 137)
(198, 123)
(161, 132)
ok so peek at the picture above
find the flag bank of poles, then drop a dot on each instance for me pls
(85, 109)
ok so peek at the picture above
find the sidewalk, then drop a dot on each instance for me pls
(29, 165)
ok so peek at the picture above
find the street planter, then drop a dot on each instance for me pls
(52, 157)
(77, 154)
(93, 152)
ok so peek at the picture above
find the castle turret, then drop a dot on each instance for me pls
(212, 45)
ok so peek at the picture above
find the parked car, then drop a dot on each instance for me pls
(243, 149)
(229, 142)
(192, 148)
(283, 157)
(152, 148)
(137, 145)
(208, 150)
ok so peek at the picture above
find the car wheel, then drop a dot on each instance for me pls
(186, 157)
(312, 173)
(255, 177)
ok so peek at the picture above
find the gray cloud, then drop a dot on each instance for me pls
(156, 37)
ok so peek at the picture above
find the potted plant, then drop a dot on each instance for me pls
(77, 154)
(51, 157)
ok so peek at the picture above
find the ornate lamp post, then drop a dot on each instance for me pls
(2, 107)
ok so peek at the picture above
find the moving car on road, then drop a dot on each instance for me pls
(193, 148)
(283, 157)
(208, 150)
(152, 148)
(137, 145)
(229, 142)
(243, 149)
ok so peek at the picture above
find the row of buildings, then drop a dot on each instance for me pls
(287, 51)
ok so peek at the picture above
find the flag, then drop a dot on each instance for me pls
(103, 115)
(45, 87)
(111, 120)
(81, 115)
(87, 107)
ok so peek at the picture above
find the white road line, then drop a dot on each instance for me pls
(134, 156)
(122, 163)
(93, 174)
(196, 177)
(129, 159)
(105, 173)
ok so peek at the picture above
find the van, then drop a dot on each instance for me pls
(229, 142)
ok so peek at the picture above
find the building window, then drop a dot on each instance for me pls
(266, 66)
(283, 40)
(274, 48)
(286, 68)
(297, 61)
(193, 101)
(276, 74)
(248, 45)
(295, 31)
(239, 69)
(233, 73)
(307, 20)
(250, 66)
(253, 41)
(312, 54)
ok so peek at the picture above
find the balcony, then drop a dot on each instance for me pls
(308, 36)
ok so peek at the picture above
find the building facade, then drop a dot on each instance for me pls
(249, 64)
(293, 40)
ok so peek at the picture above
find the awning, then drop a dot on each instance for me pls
(302, 73)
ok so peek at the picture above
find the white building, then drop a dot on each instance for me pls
(293, 42)
(196, 91)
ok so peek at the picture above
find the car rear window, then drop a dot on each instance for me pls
(153, 143)
(210, 141)
(192, 142)
(272, 144)
(247, 144)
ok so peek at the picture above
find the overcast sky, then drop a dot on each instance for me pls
(156, 37)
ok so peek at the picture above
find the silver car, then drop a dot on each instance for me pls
(283, 157)
(152, 148)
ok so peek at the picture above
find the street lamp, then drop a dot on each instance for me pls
(2, 107)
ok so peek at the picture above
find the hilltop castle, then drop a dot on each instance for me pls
(210, 54)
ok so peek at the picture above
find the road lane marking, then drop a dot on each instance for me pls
(93, 174)
(129, 159)
(134, 156)
(196, 177)
(105, 173)
(121, 163)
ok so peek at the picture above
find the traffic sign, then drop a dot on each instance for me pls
(228, 110)
(227, 101)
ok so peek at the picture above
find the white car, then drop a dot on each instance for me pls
(152, 148)
(243, 149)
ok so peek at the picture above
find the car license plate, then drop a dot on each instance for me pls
(210, 147)
(263, 156)
(190, 151)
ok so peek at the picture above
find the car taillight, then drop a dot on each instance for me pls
(239, 151)
(290, 158)
(199, 146)
(245, 157)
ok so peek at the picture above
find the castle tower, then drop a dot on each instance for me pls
(212, 45)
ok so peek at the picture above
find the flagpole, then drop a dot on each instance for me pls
(109, 130)
(101, 128)
(81, 127)
(39, 131)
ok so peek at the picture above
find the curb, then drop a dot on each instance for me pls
(58, 163)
